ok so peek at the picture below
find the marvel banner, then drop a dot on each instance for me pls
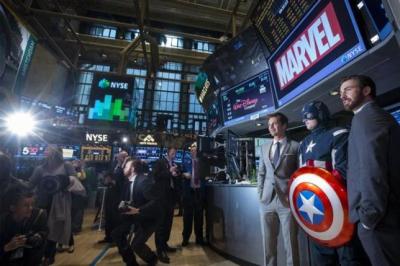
(325, 40)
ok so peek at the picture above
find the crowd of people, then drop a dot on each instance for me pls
(140, 202)
(40, 216)
(363, 158)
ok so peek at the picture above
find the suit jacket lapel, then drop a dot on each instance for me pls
(285, 151)
(268, 153)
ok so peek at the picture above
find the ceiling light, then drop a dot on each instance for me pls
(334, 93)
(124, 139)
(259, 124)
(21, 124)
(374, 39)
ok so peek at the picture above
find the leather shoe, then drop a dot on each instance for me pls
(153, 261)
(185, 242)
(163, 257)
(200, 242)
(170, 249)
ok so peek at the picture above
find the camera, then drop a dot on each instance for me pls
(124, 206)
(33, 240)
(53, 184)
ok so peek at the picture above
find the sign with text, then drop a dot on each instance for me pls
(96, 137)
(96, 153)
(319, 45)
(251, 98)
(110, 99)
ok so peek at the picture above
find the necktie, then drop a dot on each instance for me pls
(131, 183)
(277, 153)
(195, 175)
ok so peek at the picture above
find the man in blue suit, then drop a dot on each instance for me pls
(373, 175)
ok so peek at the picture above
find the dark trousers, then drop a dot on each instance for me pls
(31, 257)
(77, 210)
(193, 209)
(163, 230)
(381, 243)
(112, 215)
(350, 254)
(138, 244)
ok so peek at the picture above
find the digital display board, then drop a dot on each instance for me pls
(70, 151)
(96, 153)
(319, 45)
(238, 60)
(396, 115)
(275, 19)
(40, 150)
(110, 100)
(147, 153)
(248, 100)
(395, 112)
(32, 150)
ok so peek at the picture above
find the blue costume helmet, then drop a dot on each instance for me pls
(315, 110)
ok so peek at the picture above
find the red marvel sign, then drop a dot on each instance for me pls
(322, 36)
(325, 40)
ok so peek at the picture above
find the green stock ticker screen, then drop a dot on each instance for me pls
(111, 100)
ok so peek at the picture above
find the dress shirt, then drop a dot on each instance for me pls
(282, 142)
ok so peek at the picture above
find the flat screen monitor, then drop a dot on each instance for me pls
(325, 40)
(147, 153)
(248, 101)
(32, 150)
(275, 19)
(395, 112)
(111, 100)
(241, 58)
(71, 152)
(96, 153)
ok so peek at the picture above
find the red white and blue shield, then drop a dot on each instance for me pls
(318, 201)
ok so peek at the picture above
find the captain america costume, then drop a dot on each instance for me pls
(326, 145)
(325, 148)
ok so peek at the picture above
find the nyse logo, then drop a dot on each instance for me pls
(147, 140)
(105, 84)
(321, 37)
(119, 85)
(96, 137)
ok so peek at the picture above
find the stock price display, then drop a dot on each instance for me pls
(96, 153)
(248, 100)
(275, 19)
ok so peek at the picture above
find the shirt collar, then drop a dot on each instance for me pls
(361, 107)
(281, 141)
(132, 178)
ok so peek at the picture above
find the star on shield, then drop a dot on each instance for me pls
(310, 146)
(309, 207)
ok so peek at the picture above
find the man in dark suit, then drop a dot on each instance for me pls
(278, 161)
(373, 176)
(164, 172)
(139, 216)
(193, 198)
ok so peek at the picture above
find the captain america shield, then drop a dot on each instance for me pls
(318, 202)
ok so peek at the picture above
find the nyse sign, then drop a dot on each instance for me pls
(96, 138)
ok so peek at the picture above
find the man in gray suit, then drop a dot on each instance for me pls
(373, 175)
(278, 161)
